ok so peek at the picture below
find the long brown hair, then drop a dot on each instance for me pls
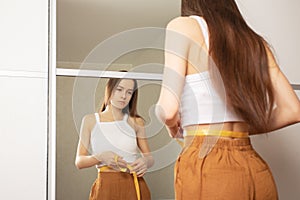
(241, 58)
(131, 108)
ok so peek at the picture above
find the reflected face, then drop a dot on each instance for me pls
(122, 94)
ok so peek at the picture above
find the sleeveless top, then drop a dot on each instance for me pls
(200, 102)
(116, 136)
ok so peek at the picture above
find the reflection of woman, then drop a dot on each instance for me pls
(218, 161)
(115, 136)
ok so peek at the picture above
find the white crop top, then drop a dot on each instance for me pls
(117, 136)
(200, 102)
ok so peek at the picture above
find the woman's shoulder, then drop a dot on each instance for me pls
(89, 120)
(184, 25)
(180, 22)
(271, 57)
(136, 122)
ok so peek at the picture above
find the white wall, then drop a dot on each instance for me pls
(279, 21)
(24, 90)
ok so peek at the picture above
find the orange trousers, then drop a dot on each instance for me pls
(117, 186)
(231, 171)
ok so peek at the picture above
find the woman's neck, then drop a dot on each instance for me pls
(113, 113)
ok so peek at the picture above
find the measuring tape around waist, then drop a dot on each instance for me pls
(124, 170)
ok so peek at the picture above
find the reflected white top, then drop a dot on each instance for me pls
(117, 136)
(200, 102)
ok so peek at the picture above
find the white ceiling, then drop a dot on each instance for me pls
(82, 24)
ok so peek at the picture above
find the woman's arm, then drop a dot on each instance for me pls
(287, 104)
(83, 157)
(176, 54)
(142, 164)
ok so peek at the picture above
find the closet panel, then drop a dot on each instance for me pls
(23, 133)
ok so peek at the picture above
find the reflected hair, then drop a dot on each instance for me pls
(241, 58)
(111, 85)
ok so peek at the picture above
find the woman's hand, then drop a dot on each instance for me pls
(140, 166)
(175, 131)
(111, 159)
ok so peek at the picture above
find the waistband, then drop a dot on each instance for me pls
(221, 133)
(212, 139)
(243, 144)
(135, 178)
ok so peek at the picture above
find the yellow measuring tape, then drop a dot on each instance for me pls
(136, 182)
(124, 169)
(135, 179)
(207, 132)
(221, 133)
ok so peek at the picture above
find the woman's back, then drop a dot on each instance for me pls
(194, 59)
(199, 101)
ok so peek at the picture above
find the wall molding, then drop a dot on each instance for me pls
(296, 86)
(107, 74)
(23, 74)
(115, 74)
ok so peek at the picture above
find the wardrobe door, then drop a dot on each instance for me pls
(23, 99)
(23, 142)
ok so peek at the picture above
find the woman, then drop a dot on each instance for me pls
(208, 45)
(111, 140)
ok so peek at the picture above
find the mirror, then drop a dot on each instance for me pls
(83, 31)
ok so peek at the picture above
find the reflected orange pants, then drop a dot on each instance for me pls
(231, 171)
(117, 186)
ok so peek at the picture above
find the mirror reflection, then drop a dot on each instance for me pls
(81, 27)
(76, 184)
